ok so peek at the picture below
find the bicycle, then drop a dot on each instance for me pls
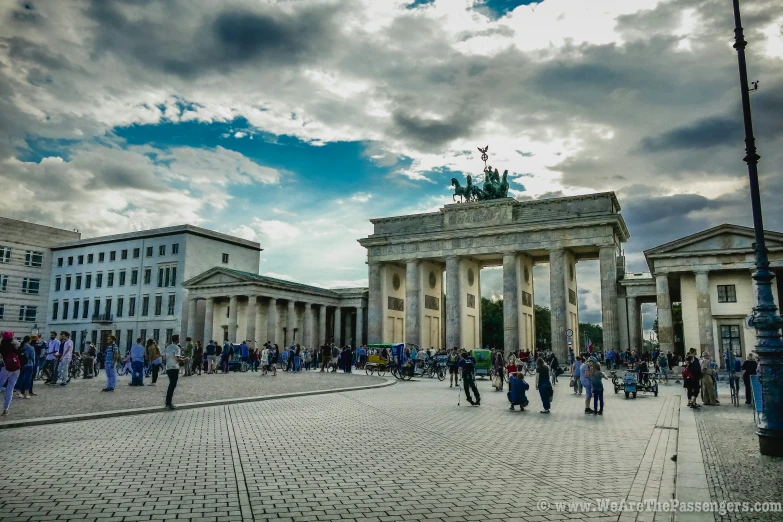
(734, 387)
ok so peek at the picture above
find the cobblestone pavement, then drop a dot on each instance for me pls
(736, 472)
(85, 396)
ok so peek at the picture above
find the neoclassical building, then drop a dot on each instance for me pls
(225, 304)
(709, 274)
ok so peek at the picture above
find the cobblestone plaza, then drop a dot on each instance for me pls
(405, 452)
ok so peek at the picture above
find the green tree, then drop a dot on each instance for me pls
(543, 318)
(594, 332)
(492, 323)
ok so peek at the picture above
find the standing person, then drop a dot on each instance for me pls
(65, 358)
(335, 357)
(9, 373)
(543, 384)
(663, 364)
(326, 354)
(587, 384)
(173, 358)
(225, 355)
(453, 362)
(244, 352)
(89, 361)
(155, 358)
(691, 377)
(554, 364)
(576, 375)
(187, 356)
(308, 358)
(27, 362)
(52, 353)
(749, 368)
(467, 366)
(137, 353)
(110, 358)
(211, 356)
(597, 379)
(708, 395)
(270, 361)
(297, 358)
(198, 358)
(498, 365)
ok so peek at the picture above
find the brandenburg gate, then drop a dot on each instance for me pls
(409, 257)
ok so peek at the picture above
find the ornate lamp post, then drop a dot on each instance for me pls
(766, 321)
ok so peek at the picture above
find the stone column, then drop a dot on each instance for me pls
(232, 319)
(192, 306)
(412, 297)
(634, 329)
(665, 329)
(250, 320)
(338, 326)
(322, 324)
(704, 314)
(271, 317)
(359, 326)
(290, 322)
(607, 258)
(558, 303)
(510, 303)
(307, 335)
(348, 334)
(208, 320)
(453, 308)
(258, 319)
(374, 305)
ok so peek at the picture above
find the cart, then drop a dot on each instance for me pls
(483, 360)
(633, 382)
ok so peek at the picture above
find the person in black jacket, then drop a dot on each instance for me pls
(692, 382)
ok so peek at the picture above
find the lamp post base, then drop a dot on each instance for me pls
(770, 442)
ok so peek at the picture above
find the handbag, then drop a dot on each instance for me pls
(497, 382)
(572, 382)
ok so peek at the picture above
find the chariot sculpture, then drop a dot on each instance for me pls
(495, 186)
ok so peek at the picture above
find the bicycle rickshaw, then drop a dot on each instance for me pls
(633, 382)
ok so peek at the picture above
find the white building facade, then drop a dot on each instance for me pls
(25, 268)
(129, 284)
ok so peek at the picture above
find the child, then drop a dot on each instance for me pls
(517, 388)
(596, 378)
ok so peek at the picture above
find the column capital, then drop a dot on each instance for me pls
(308, 306)
(510, 253)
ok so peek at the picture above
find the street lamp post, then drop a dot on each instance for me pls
(766, 321)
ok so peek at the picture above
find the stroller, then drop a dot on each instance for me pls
(517, 388)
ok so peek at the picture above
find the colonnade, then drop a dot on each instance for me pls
(262, 317)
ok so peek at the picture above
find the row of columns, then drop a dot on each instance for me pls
(665, 323)
(253, 320)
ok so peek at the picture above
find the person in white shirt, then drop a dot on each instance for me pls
(173, 356)
(52, 352)
(65, 359)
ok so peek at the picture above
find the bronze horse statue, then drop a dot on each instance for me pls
(466, 193)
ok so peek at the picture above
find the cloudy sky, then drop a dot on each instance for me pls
(292, 122)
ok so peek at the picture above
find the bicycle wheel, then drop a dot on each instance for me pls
(381, 370)
(441, 374)
(368, 370)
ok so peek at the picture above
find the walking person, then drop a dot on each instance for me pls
(187, 356)
(587, 385)
(453, 362)
(89, 361)
(663, 365)
(597, 380)
(52, 352)
(9, 373)
(467, 366)
(576, 375)
(198, 358)
(544, 384)
(211, 352)
(749, 368)
(173, 359)
(497, 366)
(326, 354)
(65, 358)
(155, 358)
(110, 358)
(137, 353)
(691, 379)
(27, 361)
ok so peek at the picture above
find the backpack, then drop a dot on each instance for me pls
(12, 362)
(686, 373)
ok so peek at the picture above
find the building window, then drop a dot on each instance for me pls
(172, 301)
(113, 255)
(147, 276)
(156, 334)
(34, 259)
(124, 254)
(96, 308)
(101, 257)
(31, 286)
(136, 253)
(162, 250)
(122, 277)
(572, 297)
(87, 281)
(173, 276)
(149, 252)
(2, 311)
(75, 310)
(110, 279)
(169, 335)
(67, 283)
(175, 248)
(86, 309)
(145, 306)
(5, 254)
(143, 335)
(167, 279)
(108, 307)
(78, 281)
(65, 310)
(117, 334)
(3, 283)
(89, 258)
(98, 280)
(80, 260)
(134, 277)
(158, 304)
(129, 337)
(120, 303)
(59, 261)
(132, 307)
(727, 294)
(55, 310)
(225, 258)
(28, 313)
(70, 260)
(160, 277)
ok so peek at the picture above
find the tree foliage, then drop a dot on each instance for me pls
(492, 323)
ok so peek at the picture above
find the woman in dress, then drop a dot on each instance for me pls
(543, 384)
